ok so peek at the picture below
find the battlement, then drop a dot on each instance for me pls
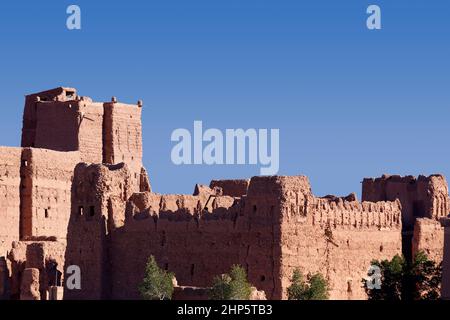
(354, 214)
(295, 202)
(57, 94)
(299, 205)
(103, 132)
(232, 188)
(434, 178)
(421, 197)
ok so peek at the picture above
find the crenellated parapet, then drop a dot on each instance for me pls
(421, 197)
(354, 214)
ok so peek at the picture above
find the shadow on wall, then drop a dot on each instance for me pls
(446, 262)
(43, 257)
(4, 280)
(87, 237)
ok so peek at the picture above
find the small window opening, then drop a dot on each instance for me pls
(91, 211)
(70, 94)
(349, 286)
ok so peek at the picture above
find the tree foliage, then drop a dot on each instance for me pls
(157, 283)
(232, 286)
(403, 280)
(314, 288)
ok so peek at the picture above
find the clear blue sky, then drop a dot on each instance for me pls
(349, 102)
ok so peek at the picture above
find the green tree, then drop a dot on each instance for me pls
(315, 288)
(232, 286)
(403, 280)
(318, 288)
(157, 283)
(424, 277)
(221, 288)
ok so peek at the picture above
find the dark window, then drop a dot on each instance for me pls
(349, 286)
(262, 278)
(46, 213)
(91, 211)
(418, 209)
(70, 94)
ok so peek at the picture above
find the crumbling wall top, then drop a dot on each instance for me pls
(57, 94)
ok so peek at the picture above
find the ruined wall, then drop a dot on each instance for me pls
(198, 294)
(429, 238)
(123, 137)
(422, 197)
(232, 188)
(99, 196)
(198, 244)
(45, 256)
(181, 231)
(190, 294)
(336, 237)
(277, 227)
(46, 192)
(10, 161)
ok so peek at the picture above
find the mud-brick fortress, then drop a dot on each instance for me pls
(76, 193)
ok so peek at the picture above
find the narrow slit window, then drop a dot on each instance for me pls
(91, 211)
